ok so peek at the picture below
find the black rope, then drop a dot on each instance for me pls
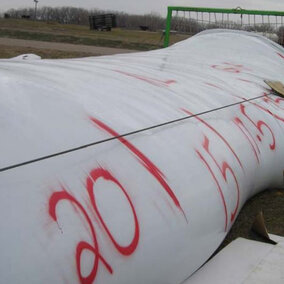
(122, 135)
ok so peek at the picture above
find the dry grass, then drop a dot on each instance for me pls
(54, 32)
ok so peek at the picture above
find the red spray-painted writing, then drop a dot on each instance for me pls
(223, 167)
(218, 134)
(63, 195)
(91, 180)
(151, 168)
(230, 67)
(152, 81)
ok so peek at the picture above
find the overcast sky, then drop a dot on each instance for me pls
(146, 6)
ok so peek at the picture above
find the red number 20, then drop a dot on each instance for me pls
(58, 196)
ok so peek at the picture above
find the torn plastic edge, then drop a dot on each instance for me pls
(276, 86)
(260, 229)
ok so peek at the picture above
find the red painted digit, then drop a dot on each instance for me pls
(259, 125)
(151, 168)
(218, 134)
(223, 170)
(91, 180)
(55, 198)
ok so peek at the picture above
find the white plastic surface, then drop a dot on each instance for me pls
(28, 56)
(244, 262)
(233, 264)
(153, 205)
(270, 268)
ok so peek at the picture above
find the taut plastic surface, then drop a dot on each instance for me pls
(143, 203)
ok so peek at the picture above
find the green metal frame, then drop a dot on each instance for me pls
(213, 10)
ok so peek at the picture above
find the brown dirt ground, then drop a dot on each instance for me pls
(13, 51)
(271, 203)
(12, 47)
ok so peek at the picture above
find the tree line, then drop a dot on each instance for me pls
(80, 16)
(152, 21)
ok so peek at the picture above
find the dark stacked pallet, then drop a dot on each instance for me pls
(102, 22)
